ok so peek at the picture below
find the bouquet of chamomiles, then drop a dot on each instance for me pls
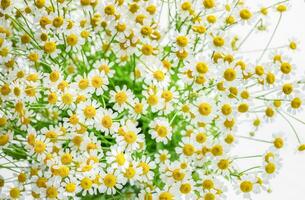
(142, 99)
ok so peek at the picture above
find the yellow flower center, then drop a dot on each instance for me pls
(120, 159)
(281, 8)
(30, 91)
(259, 70)
(161, 131)
(243, 107)
(229, 139)
(278, 143)
(209, 3)
(218, 41)
(292, 45)
(246, 186)
(121, 27)
(178, 175)
(51, 192)
(85, 2)
(83, 84)
(89, 111)
(185, 188)
(49, 47)
(188, 149)
(185, 108)
(167, 95)
(106, 121)
(286, 68)
(269, 112)
(223, 164)
(97, 81)
(41, 182)
(159, 75)
(208, 184)
(209, 196)
(4, 139)
(5, 89)
(147, 49)
(39, 147)
(229, 74)
(301, 147)
(202, 67)
(245, 14)
(72, 39)
(217, 150)
(138, 108)
(14, 193)
(66, 159)
(146, 30)
(130, 137)
(182, 41)
(77, 140)
(145, 167)
(58, 22)
(67, 99)
(70, 187)
(296, 103)
(205, 109)
(151, 9)
(186, 6)
(163, 157)
(287, 88)
(63, 171)
(130, 172)
(52, 98)
(73, 119)
(270, 78)
(86, 183)
(22, 177)
(270, 168)
(226, 109)
(121, 97)
(109, 10)
(211, 19)
(110, 180)
(201, 138)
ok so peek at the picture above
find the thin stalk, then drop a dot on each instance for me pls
(272, 36)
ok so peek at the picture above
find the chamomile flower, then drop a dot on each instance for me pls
(87, 111)
(118, 158)
(203, 110)
(247, 186)
(146, 165)
(132, 173)
(98, 82)
(42, 146)
(14, 191)
(130, 138)
(106, 67)
(186, 148)
(155, 74)
(161, 130)
(121, 98)
(5, 139)
(105, 121)
(162, 157)
(112, 180)
(139, 108)
(69, 187)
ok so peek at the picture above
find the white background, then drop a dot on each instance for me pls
(289, 183)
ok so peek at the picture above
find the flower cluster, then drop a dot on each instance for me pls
(140, 99)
